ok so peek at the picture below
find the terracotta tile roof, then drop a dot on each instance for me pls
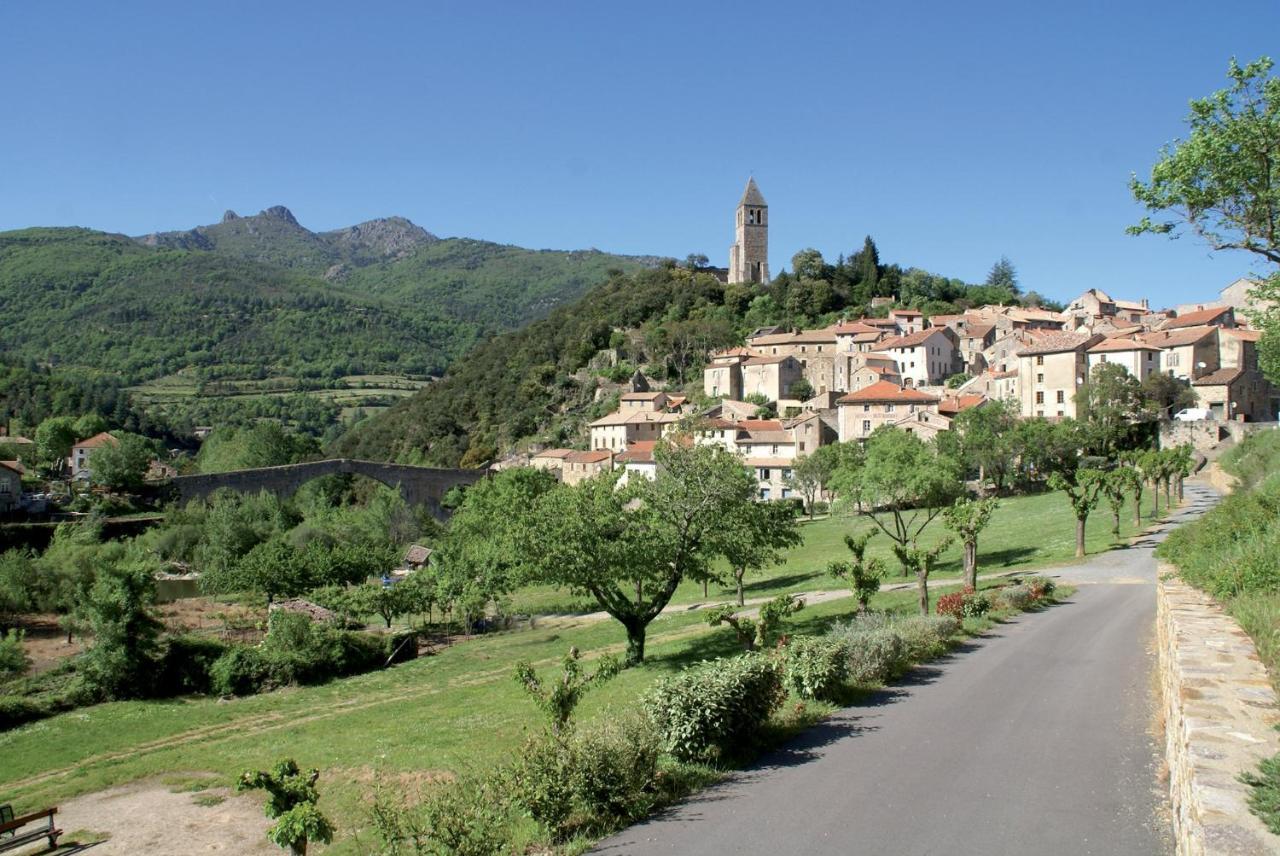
(417, 555)
(95, 441)
(639, 452)
(960, 403)
(1236, 332)
(764, 361)
(848, 328)
(1058, 342)
(885, 391)
(778, 437)
(878, 322)
(759, 424)
(16, 466)
(593, 457)
(1002, 375)
(552, 453)
(1109, 345)
(908, 312)
(1221, 377)
(911, 340)
(978, 331)
(16, 439)
(1195, 319)
(1178, 338)
(641, 396)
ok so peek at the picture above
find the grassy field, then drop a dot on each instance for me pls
(1025, 532)
(456, 710)
(460, 709)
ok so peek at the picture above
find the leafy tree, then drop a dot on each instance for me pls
(120, 664)
(754, 536)
(801, 389)
(18, 585)
(1110, 403)
(559, 700)
(54, 438)
(121, 465)
(1221, 181)
(292, 803)
(808, 264)
(905, 481)
(810, 473)
(967, 518)
(1082, 489)
(862, 574)
(89, 425)
(867, 267)
(1132, 464)
(983, 440)
(630, 548)
(755, 634)
(958, 380)
(1043, 447)
(386, 601)
(920, 561)
(1164, 394)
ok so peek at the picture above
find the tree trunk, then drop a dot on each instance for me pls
(1080, 522)
(982, 480)
(635, 642)
(298, 848)
(705, 585)
(1137, 511)
(971, 564)
(1168, 495)
(1155, 499)
(1115, 522)
(738, 577)
(923, 589)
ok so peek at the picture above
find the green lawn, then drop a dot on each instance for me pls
(458, 709)
(1025, 532)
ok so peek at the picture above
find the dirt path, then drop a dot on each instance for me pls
(148, 817)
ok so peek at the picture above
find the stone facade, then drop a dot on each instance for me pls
(1220, 717)
(749, 256)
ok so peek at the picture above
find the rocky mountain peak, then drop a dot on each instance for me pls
(229, 215)
(278, 212)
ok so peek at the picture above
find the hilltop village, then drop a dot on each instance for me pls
(783, 393)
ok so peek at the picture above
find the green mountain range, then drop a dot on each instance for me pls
(263, 296)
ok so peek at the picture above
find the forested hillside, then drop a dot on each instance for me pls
(250, 297)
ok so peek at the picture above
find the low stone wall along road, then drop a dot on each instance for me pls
(1039, 738)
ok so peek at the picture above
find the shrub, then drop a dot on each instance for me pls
(19, 710)
(13, 659)
(951, 604)
(539, 784)
(1016, 597)
(1039, 586)
(926, 636)
(975, 604)
(614, 768)
(186, 665)
(240, 671)
(873, 653)
(461, 817)
(815, 667)
(715, 707)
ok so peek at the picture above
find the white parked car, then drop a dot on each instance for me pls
(1193, 414)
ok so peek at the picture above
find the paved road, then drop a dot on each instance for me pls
(1036, 739)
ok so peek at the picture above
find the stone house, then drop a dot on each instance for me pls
(856, 337)
(770, 376)
(925, 424)
(1216, 316)
(1002, 354)
(549, 459)
(1051, 370)
(813, 430)
(1236, 394)
(1238, 348)
(579, 466)
(862, 412)
(1096, 303)
(638, 461)
(11, 473)
(620, 429)
(772, 476)
(814, 350)
(635, 402)
(974, 341)
(907, 321)
(1187, 353)
(722, 378)
(81, 453)
(926, 358)
(1139, 359)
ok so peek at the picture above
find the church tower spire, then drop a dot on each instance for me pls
(749, 255)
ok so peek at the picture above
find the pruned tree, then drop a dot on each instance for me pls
(966, 519)
(756, 633)
(292, 804)
(1082, 490)
(559, 699)
(904, 484)
(920, 561)
(1116, 485)
(863, 574)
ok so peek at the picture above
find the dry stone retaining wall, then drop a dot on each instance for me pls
(1220, 716)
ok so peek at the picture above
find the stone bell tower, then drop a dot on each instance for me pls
(749, 255)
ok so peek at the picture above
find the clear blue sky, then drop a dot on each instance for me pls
(952, 132)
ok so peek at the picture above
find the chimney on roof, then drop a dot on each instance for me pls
(1145, 304)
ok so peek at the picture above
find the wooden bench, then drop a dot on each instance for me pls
(11, 836)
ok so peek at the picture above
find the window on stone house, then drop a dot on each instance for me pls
(1040, 397)
(888, 408)
(764, 474)
(1062, 397)
(1040, 360)
(866, 426)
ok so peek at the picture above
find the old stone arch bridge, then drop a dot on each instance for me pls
(425, 486)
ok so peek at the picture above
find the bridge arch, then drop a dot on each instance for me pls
(420, 486)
